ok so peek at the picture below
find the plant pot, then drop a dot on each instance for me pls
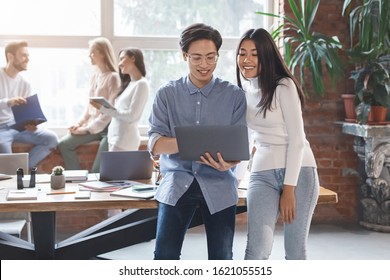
(349, 107)
(57, 181)
(377, 114)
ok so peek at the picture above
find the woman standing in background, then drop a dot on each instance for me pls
(123, 132)
(93, 125)
(284, 177)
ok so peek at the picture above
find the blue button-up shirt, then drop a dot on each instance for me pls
(181, 103)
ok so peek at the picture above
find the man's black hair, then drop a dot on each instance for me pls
(199, 31)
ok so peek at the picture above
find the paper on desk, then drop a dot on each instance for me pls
(129, 192)
(39, 178)
(5, 176)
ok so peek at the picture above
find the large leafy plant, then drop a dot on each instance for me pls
(306, 49)
(369, 29)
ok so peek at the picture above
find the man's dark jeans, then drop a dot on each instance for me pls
(173, 222)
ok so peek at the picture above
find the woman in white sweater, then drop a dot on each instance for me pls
(123, 133)
(284, 179)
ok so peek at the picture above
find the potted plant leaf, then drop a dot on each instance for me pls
(370, 53)
(57, 178)
(306, 49)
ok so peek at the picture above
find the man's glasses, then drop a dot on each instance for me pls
(197, 59)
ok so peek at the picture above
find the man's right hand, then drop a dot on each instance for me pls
(16, 101)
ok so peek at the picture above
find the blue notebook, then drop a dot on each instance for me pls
(30, 112)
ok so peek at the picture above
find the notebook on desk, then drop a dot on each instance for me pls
(230, 140)
(76, 175)
(125, 165)
(31, 194)
(106, 186)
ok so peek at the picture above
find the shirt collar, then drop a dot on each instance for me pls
(204, 90)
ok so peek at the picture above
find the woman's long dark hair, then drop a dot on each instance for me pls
(139, 63)
(272, 67)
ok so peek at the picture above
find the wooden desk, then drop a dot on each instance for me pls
(132, 226)
(138, 223)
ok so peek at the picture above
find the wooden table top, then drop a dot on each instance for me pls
(98, 200)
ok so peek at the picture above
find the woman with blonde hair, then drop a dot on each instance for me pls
(123, 133)
(93, 125)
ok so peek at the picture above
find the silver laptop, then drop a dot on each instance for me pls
(125, 165)
(230, 140)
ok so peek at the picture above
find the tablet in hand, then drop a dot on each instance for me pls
(102, 101)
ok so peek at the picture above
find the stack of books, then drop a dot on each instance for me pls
(108, 186)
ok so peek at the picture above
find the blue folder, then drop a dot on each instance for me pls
(30, 112)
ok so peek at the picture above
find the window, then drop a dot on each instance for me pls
(168, 18)
(48, 17)
(58, 33)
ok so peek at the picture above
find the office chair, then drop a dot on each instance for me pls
(14, 222)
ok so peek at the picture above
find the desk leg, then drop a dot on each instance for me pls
(44, 234)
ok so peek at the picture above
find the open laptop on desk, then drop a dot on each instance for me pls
(125, 165)
(119, 170)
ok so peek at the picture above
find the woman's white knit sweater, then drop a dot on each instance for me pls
(279, 137)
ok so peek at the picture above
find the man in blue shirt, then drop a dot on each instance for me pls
(210, 185)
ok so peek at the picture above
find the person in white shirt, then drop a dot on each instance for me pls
(284, 179)
(93, 125)
(14, 90)
(123, 132)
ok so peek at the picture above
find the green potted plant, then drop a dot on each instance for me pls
(372, 87)
(57, 178)
(370, 53)
(306, 49)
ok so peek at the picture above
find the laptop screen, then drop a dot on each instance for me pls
(125, 165)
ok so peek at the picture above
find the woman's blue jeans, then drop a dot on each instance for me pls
(264, 190)
(173, 222)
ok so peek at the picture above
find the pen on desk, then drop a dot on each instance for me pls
(54, 193)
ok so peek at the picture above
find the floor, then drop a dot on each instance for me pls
(326, 242)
